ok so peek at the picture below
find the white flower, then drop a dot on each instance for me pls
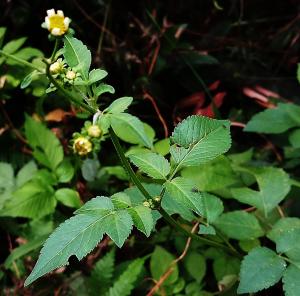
(56, 23)
(57, 67)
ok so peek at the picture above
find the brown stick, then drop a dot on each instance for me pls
(169, 271)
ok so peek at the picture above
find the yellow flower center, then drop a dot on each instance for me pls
(57, 21)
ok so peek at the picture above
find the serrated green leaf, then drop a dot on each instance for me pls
(162, 147)
(260, 269)
(119, 105)
(125, 283)
(160, 262)
(68, 197)
(212, 207)
(184, 192)
(291, 281)
(77, 55)
(289, 243)
(275, 121)
(154, 165)
(130, 129)
(96, 75)
(199, 139)
(282, 226)
(47, 148)
(239, 225)
(102, 274)
(81, 233)
(274, 184)
(249, 244)
(142, 219)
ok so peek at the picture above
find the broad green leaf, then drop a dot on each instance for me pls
(142, 219)
(195, 265)
(68, 197)
(102, 274)
(289, 243)
(260, 269)
(214, 175)
(154, 165)
(291, 281)
(284, 225)
(239, 225)
(12, 46)
(27, 53)
(77, 55)
(23, 250)
(130, 129)
(294, 138)
(125, 283)
(184, 192)
(90, 168)
(162, 147)
(249, 244)
(102, 88)
(275, 121)
(65, 171)
(46, 147)
(274, 185)
(32, 200)
(96, 75)
(199, 139)
(81, 233)
(26, 173)
(212, 207)
(119, 105)
(160, 262)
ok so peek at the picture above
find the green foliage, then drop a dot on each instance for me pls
(260, 269)
(154, 165)
(291, 281)
(46, 147)
(275, 121)
(198, 140)
(239, 225)
(274, 185)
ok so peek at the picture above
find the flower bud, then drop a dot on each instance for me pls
(71, 75)
(56, 67)
(94, 131)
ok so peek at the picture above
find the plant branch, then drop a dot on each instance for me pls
(20, 61)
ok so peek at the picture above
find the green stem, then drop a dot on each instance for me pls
(21, 61)
(127, 165)
(54, 50)
(67, 93)
(164, 214)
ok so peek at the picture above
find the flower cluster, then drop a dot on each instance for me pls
(88, 140)
(56, 23)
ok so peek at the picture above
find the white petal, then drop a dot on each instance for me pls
(56, 32)
(47, 22)
(60, 13)
(51, 12)
(67, 22)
